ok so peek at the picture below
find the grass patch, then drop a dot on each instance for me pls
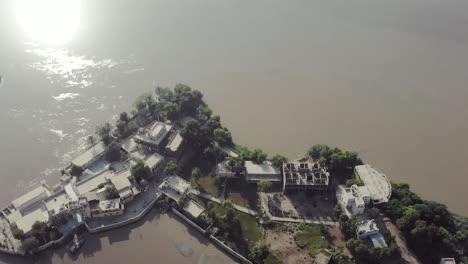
(238, 199)
(209, 185)
(250, 230)
(310, 237)
(272, 259)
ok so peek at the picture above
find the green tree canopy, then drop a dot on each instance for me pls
(223, 136)
(111, 192)
(112, 152)
(196, 173)
(139, 170)
(277, 160)
(76, 170)
(170, 168)
(264, 185)
(195, 135)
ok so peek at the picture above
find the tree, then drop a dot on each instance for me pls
(121, 127)
(17, 233)
(111, 192)
(318, 151)
(139, 170)
(213, 154)
(354, 181)
(223, 136)
(277, 160)
(196, 173)
(103, 130)
(40, 228)
(30, 244)
(195, 135)
(264, 185)
(170, 168)
(76, 170)
(170, 111)
(124, 117)
(113, 152)
(258, 156)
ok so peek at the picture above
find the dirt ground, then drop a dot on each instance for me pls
(337, 240)
(283, 246)
(302, 205)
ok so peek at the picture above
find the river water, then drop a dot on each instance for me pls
(385, 78)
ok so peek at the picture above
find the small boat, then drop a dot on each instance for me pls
(76, 244)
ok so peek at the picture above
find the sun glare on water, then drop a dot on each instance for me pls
(52, 22)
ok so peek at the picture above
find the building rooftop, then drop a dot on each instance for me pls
(129, 144)
(305, 174)
(176, 142)
(380, 188)
(378, 240)
(194, 209)
(27, 219)
(154, 134)
(174, 187)
(263, 168)
(447, 261)
(56, 202)
(37, 193)
(90, 154)
(112, 204)
(153, 160)
(92, 183)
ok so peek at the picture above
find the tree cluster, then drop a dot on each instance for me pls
(76, 170)
(363, 254)
(428, 226)
(335, 158)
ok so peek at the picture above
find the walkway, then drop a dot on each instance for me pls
(217, 200)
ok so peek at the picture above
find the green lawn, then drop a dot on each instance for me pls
(250, 230)
(271, 259)
(209, 185)
(310, 236)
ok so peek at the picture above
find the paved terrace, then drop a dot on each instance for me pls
(132, 209)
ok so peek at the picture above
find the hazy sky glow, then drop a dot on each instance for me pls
(52, 22)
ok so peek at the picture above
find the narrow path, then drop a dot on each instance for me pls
(217, 200)
(406, 254)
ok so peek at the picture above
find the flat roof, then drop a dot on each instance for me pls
(26, 221)
(56, 201)
(129, 144)
(154, 133)
(111, 204)
(378, 240)
(380, 188)
(447, 261)
(263, 168)
(174, 187)
(39, 192)
(194, 209)
(153, 160)
(92, 182)
(175, 143)
(89, 154)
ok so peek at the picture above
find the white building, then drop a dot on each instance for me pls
(369, 230)
(154, 135)
(105, 208)
(174, 187)
(223, 170)
(447, 261)
(175, 147)
(379, 186)
(90, 155)
(352, 200)
(194, 209)
(261, 172)
(304, 175)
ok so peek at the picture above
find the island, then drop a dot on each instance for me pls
(171, 153)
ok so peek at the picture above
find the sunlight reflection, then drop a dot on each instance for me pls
(52, 22)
